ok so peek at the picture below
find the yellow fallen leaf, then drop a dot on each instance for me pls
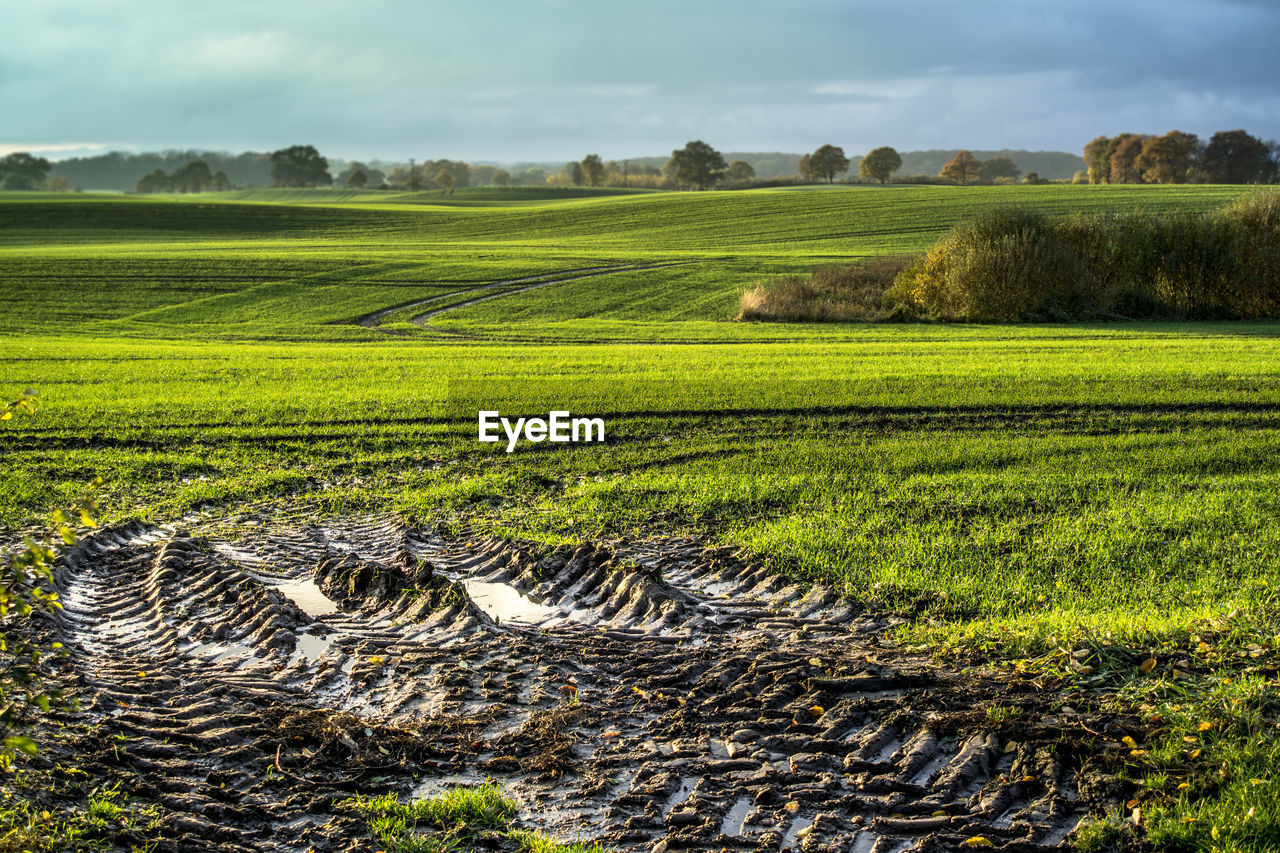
(142, 674)
(818, 710)
(1131, 804)
(1147, 665)
(977, 841)
(1129, 742)
(1204, 726)
(939, 813)
(608, 735)
(792, 807)
(1195, 753)
(1137, 753)
(1184, 786)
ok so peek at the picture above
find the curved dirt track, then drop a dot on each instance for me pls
(504, 287)
(656, 696)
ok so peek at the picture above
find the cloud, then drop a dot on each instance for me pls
(42, 149)
(518, 79)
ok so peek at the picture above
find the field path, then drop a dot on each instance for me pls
(258, 668)
(505, 287)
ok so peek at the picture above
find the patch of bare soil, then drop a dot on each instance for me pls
(246, 673)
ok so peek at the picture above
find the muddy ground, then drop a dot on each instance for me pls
(245, 672)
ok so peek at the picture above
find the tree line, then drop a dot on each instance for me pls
(1229, 157)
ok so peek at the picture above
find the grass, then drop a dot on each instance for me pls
(459, 819)
(1016, 489)
(28, 828)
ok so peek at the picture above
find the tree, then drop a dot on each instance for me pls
(1096, 158)
(21, 171)
(358, 180)
(445, 179)
(1123, 159)
(593, 170)
(482, 176)
(827, 162)
(573, 173)
(501, 178)
(221, 183)
(998, 167)
(1235, 157)
(739, 172)
(697, 164)
(155, 181)
(194, 177)
(805, 168)
(880, 164)
(530, 177)
(299, 166)
(373, 178)
(962, 168)
(1167, 159)
(59, 184)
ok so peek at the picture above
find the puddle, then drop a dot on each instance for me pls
(793, 832)
(504, 604)
(679, 796)
(308, 596)
(736, 818)
(864, 843)
(311, 647)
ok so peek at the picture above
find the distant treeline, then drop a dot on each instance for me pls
(1176, 157)
(1229, 157)
(121, 171)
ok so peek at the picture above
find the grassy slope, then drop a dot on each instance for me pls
(1035, 484)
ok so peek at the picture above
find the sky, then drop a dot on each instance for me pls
(528, 80)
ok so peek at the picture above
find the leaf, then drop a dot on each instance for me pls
(1147, 665)
(1204, 726)
(21, 744)
(1129, 742)
(977, 841)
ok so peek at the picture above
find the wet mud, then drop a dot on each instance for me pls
(247, 672)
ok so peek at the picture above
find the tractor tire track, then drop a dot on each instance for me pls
(373, 320)
(653, 695)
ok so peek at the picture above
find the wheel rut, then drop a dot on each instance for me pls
(250, 670)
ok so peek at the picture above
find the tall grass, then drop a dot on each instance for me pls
(831, 293)
(1009, 264)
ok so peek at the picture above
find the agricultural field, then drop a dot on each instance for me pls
(823, 587)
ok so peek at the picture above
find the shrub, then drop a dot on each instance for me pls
(1008, 265)
(1005, 264)
(829, 294)
(1254, 223)
(27, 593)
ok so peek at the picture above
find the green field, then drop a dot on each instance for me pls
(1014, 489)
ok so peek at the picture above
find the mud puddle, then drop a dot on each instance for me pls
(641, 694)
